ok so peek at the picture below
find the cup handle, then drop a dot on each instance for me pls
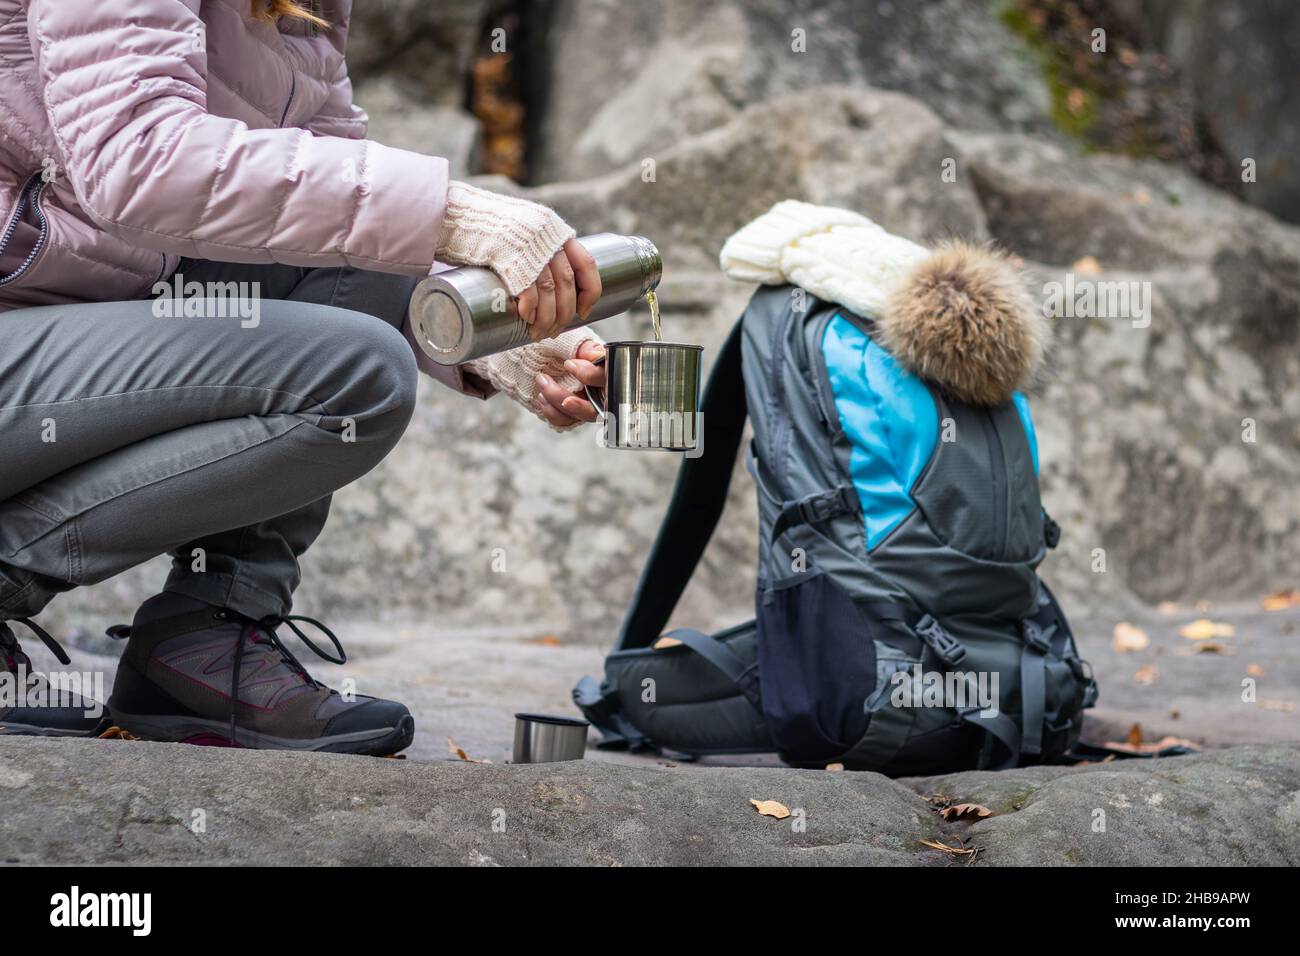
(591, 396)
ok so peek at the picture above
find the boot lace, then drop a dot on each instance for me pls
(13, 651)
(266, 626)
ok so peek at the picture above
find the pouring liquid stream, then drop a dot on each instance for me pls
(652, 300)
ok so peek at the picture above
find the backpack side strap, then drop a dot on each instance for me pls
(744, 676)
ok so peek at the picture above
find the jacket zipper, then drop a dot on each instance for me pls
(997, 458)
(293, 88)
(31, 193)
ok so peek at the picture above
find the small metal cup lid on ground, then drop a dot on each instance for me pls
(543, 738)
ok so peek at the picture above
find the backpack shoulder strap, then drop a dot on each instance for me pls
(699, 496)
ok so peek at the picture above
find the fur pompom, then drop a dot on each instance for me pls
(963, 319)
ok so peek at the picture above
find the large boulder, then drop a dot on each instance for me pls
(625, 81)
(69, 801)
(426, 48)
(1137, 423)
(482, 514)
(1237, 59)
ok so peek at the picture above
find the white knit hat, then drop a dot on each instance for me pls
(835, 254)
(959, 316)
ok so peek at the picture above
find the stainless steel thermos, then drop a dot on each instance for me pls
(466, 313)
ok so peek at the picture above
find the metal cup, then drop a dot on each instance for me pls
(651, 398)
(540, 738)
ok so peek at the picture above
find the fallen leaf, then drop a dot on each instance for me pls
(1134, 737)
(835, 767)
(1141, 197)
(117, 733)
(1168, 607)
(456, 751)
(547, 640)
(1138, 747)
(1203, 629)
(1201, 607)
(962, 811)
(1214, 647)
(1281, 600)
(958, 850)
(1087, 266)
(1174, 713)
(770, 808)
(1127, 638)
(394, 756)
(1146, 676)
(667, 642)
(1284, 706)
(1254, 670)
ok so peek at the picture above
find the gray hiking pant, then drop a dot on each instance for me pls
(218, 440)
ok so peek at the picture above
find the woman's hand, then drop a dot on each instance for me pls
(561, 407)
(568, 286)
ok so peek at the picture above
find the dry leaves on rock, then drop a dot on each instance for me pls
(965, 811)
(1147, 675)
(1128, 638)
(1134, 744)
(958, 849)
(456, 751)
(1282, 706)
(1281, 600)
(835, 767)
(1203, 629)
(1254, 670)
(117, 733)
(770, 808)
(1214, 647)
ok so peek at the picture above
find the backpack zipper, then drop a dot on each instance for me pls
(31, 193)
(997, 458)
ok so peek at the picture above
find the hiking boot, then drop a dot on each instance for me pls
(200, 674)
(30, 704)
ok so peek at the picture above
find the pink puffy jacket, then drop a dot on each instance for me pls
(134, 132)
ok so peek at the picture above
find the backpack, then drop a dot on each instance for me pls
(901, 625)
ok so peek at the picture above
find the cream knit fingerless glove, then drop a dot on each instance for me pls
(515, 372)
(516, 239)
(513, 237)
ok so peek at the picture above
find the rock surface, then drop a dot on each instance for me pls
(132, 802)
(1237, 58)
(627, 81)
(129, 802)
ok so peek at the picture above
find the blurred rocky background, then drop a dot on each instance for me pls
(1166, 155)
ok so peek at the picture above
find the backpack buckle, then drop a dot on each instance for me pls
(1035, 637)
(1051, 531)
(825, 505)
(948, 648)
